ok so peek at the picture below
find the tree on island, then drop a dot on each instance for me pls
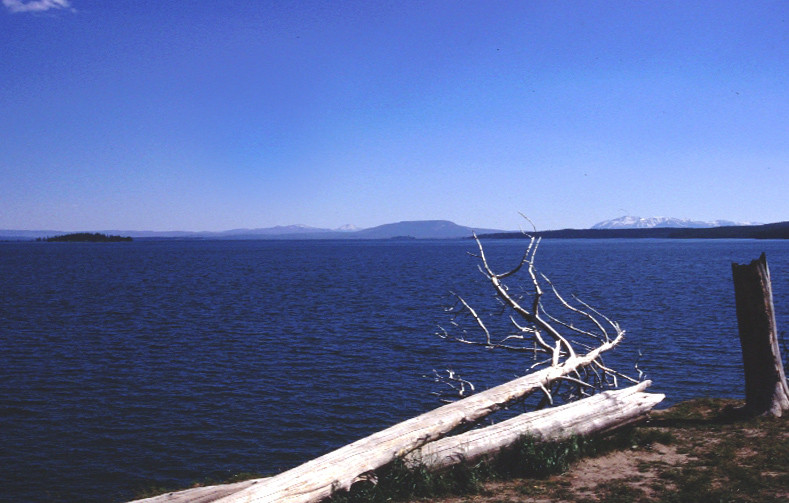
(95, 237)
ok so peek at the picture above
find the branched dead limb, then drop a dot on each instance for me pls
(551, 339)
(459, 387)
(641, 374)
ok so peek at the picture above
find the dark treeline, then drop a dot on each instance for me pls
(779, 230)
(94, 237)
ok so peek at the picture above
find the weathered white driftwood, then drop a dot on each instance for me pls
(339, 469)
(207, 494)
(596, 414)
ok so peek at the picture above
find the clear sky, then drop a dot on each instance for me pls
(221, 114)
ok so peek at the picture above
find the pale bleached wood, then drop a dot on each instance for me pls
(596, 414)
(339, 469)
(205, 494)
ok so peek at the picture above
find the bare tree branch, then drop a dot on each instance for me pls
(532, 329)
(460, 387)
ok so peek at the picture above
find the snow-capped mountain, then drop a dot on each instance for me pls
(347, 228)
(631, 222)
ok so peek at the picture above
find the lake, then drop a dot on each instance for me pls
(163, 363)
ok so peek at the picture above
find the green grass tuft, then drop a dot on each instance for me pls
(526, 458)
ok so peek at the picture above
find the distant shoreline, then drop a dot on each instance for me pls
(428, 230)
(778, 230)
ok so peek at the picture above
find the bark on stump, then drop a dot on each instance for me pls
(766, 391)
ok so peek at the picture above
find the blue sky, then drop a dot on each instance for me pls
(213, 115)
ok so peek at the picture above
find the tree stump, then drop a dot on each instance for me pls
(766, 391)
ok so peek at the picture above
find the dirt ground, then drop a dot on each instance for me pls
(705, 456)
(585, 480)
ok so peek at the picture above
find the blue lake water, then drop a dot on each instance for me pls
(160, 363)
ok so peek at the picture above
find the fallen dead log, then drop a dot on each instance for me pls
(597, 414)
(207, 494)
(339, 469)
(317, 479)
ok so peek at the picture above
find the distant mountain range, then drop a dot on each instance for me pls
(419, 229)
(630, 222)
(624, 227)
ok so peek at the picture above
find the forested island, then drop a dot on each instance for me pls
(86, 237)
